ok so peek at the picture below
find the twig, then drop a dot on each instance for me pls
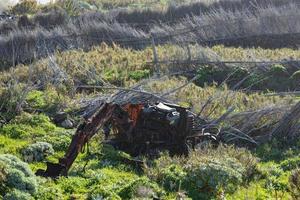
(224, 116)
(180, 87)
(283, 93)
(121, 89)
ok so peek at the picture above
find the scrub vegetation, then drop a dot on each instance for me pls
(45, 75)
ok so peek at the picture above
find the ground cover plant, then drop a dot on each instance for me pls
(165, 178)
(45, 96)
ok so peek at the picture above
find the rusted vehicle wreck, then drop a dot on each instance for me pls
(142, 128)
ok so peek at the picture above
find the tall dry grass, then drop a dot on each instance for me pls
(272, 26)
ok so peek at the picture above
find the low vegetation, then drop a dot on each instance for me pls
(54, 29)
(46, 88)
(225, 171)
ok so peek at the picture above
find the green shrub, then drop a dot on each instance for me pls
(208, 176)
(48, 101)
(16, 130)
(290, 164)
(17, 176)
(255, 190)
(73, 185)
(270, 151)
(172, 177)
(11, 146)
(11, 98)
(111, 179)
(37, 152)
(274, 179)
(3, 175)
(49, 190)
(140, 188)
(218, 74)
(242, 155)
(99, 192)
(35, 99)
(112, 157)
(276, 185)
(155, 170)
(139, 74)
(205, 173)
(17, 195)
(209, 74)
(25, 7)
(59, 139)
(294, 184)
(27, 125)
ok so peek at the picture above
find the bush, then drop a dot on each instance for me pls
(25, 7)
(11, 98)
(139, 74)
(27, 125)
(3, 176)
(102, 193)
(60, 139)
(48, 100)
(290, 164)
(172, 177)
(17, 195)
(112, 157)
(48, 190)
(140, 188)
(37, 152)
(208, 176)
(18, 177)
(205, 173)
(35, 99)
(73, 185)
(294, 184)
(156, 169)
(275, 179)
(108, 182)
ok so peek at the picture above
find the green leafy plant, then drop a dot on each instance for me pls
(60, 139)
(37, 152)
(213, 175)
(139, 74)
(275, 182)
(27, 125)
(290, 164)
(18, 177)
(140, 188)
(16, 195)
(172, 177)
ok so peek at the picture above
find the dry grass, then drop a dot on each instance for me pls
(265, 23)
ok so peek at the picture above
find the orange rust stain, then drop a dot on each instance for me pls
(133, 111)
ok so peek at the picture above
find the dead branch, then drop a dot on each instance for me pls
(224, 116)
(115, 88)
(286, 127)
(180, 87)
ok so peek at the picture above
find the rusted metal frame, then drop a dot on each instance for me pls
(84, 133)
